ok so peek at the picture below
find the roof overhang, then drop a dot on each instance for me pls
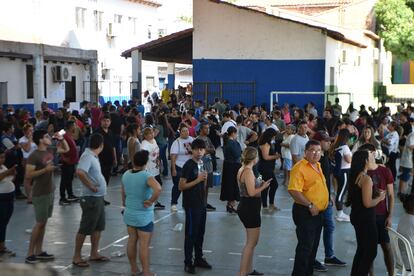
(176, 47)
(150, 3)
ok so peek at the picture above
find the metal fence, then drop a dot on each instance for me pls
(232, 91)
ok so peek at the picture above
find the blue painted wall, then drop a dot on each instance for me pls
(269, 75)
(171, 81)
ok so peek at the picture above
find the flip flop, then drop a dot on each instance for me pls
(81, 264)
(101, 259)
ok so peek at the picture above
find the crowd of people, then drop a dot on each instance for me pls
(328, 161)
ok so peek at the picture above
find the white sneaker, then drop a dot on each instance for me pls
(174, 208)
(343, 217)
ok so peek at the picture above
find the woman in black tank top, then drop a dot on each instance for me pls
(363, 199)
(249, 207)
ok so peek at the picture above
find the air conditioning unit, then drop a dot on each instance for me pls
(113, 30)
(61, 73)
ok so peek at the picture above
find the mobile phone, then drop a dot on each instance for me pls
(62, 132)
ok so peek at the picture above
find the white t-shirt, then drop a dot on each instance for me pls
(6, 184)
(226, 126)
(286, 154)
(154, 153)
(344, 150)
(407, 154)
(33, 146)
(242, 133)
(393, 138)
(297, 145)
(181, 148)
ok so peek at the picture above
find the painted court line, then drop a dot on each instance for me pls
(121, 239)
(233, 253)
(264, 256)
(174, 249)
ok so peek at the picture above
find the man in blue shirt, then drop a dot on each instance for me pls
(92, 201)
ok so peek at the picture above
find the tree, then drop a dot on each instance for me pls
(395, 21)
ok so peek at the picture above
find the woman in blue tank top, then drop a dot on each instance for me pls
(139, 192)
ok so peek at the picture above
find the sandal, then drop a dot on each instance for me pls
(100, 259)
(81, 263)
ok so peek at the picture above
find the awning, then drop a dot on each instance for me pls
(176, 47)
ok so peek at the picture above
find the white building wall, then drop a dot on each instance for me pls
(354, 72)
(14, 73)
(253, 37)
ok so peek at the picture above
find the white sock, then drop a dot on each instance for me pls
(340, 213)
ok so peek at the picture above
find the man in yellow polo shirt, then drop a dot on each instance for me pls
(307, 187)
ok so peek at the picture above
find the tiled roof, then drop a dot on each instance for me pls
(308, 2)
(151, 3)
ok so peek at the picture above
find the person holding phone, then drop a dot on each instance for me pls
(363, 199)
(382, 180)
(307, 186)
(193, 183)
(249, 208)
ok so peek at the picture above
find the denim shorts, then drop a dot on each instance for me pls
(287, 164)
(405, 175)
(147, 228)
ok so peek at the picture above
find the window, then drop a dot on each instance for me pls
(80, 18)
(133, 25)
(97, 16)
(149, 32)
(150, 82)
(161, 33)
(29, 81)
(117, 18)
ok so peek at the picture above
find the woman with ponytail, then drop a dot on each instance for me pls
(232, 153)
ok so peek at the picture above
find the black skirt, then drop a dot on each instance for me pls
(249, 211)
(229, 186)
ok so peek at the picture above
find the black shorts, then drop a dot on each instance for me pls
(383, 236)
(93, 215)
(249, 211)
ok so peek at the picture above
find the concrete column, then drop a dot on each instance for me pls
(136, 85)
(93, 82)
(38, 81)
(171, 76)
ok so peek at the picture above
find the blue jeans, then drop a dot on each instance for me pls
(163, 157)
(175, 192)
(328, 229)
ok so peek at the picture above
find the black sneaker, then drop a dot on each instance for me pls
(64, 202)
(159, 206)
(202, 263)
(45, 256)
(31, 260)
(334, 261)
(319, 267)
(107, 202)
(73, 198)
(210, 207)
(189, 268)
(255, 272)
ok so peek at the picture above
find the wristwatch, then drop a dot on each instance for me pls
(310, 206)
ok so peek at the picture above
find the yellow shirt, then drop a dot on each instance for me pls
(312, 184)
(165, 96)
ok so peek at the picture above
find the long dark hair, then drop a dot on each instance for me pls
(229, 132)
(267, 136)
(341, 139)
(359, 160)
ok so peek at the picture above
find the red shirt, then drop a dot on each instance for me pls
(71, 157)
(380, 178)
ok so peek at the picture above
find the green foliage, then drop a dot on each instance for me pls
(395, 20)
(187, 19)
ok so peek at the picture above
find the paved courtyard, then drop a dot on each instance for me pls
(224, 238)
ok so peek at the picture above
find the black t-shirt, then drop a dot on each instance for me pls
(195, 196)
(106, 157)
(175, 123)
(116, 124)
